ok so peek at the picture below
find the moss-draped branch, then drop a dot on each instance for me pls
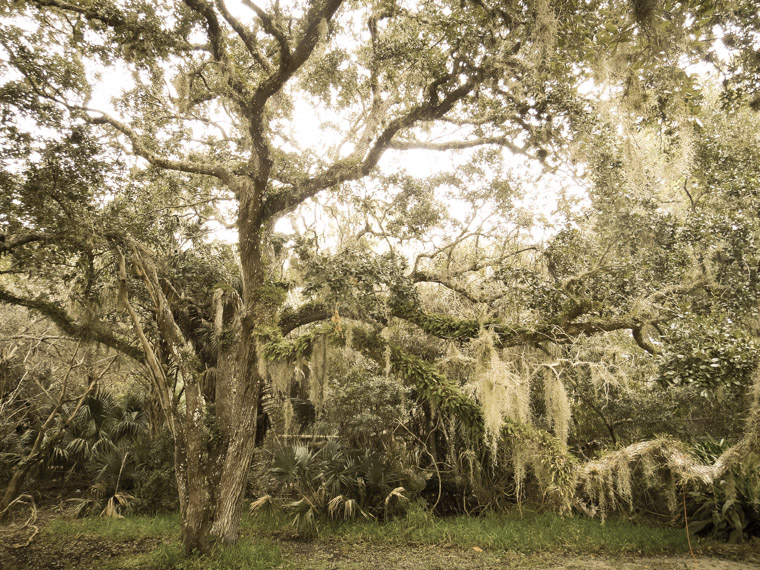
(67, 324)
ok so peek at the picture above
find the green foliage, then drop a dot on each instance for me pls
(729, 509)
(706, 353)
(312, 486)
(352, 276)
(283, 349)
(106, 449)
(127, 528)
(437, 389)
(156, 487)
(364, 407)
(525, 532)
(245, 555)
(506, 91)
(436, 324)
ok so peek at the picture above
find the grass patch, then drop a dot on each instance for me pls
(530, 533)
(248, 554)
(259, 555)
(128, 528)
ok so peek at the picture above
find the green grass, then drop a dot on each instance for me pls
(257, 555)
(244, 555)
(128, 528)
(530, 533)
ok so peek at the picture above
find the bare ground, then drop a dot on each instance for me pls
(337, 556)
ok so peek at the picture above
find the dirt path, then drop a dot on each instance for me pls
(86, 553)
(336, 556)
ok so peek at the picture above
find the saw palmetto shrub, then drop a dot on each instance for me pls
(331, 482)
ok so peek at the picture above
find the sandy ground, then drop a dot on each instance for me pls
(372, 557)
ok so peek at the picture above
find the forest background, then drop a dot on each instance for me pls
(559, 310)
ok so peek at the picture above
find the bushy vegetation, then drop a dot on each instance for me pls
(730, 509)
(85, 445)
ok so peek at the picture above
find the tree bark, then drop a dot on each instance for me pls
(239, 380)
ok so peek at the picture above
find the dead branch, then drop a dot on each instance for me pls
(29, 522)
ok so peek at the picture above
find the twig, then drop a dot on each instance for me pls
(435, 464)
(118, 479)
(686, 520)
(29, 522)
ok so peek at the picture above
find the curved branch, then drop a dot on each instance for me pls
(643, 341)
(424, 277)
(309, 313)
(457, 145)
(9, 243)
(249, 39)
(289, 62)
(213, 29)
(188, 166)
(452, 328)
(271, 28)
(111, 18)
(352, 168)
(109, 14)
(216, 41)
(66, 323)
(157, 375)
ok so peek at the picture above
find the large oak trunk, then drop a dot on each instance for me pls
(237, 395)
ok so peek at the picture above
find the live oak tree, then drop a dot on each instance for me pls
(113, 207)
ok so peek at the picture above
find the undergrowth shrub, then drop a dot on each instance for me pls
(332, 482)
(103, 455)
(730, 509)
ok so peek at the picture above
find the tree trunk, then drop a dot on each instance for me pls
(192, 490)
(237, 395)
(232, 485)
(14, 487)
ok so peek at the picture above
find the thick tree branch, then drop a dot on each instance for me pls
(110, 14)
(112, 18)
(157, 372)
(10, 242)
(445, 326)
(291, 319)
(642, 340)
(140, 149)
(218, 51)
(457, 145)
(261, 160)
(248, 38)
(353, 168)
(315, 18)
(271, 28)
(64, 321)
(425, 277)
